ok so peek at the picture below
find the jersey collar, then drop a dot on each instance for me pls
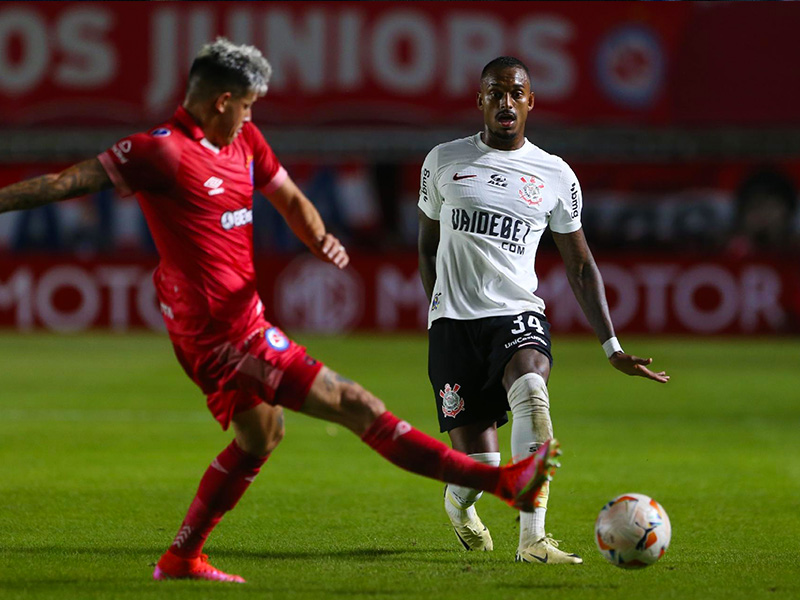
(186, 121)
(484, 148)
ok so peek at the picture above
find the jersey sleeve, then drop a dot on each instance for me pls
(430, 199)
(141, 162)
(267, 171)
(566, 216)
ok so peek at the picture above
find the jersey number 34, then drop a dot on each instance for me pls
(533, 323)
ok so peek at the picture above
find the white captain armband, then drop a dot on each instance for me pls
(611, 345)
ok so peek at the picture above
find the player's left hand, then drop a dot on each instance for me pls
(330, 249)
(633, 365)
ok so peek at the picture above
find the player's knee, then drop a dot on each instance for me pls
(525, 362)
(528, 396)
(274, 434)
(262, 438)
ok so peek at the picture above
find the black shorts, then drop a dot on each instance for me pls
(466, 360)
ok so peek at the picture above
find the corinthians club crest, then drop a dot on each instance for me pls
(531, 191)
(452, 403)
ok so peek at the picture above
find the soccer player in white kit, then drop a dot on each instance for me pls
(484, 203)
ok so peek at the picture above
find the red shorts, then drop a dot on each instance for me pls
(236, 376)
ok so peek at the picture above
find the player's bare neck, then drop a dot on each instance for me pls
(498, 143)
(205, 119)
(195, 111)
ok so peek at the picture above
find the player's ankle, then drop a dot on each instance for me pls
(460, 514)
(185, 553)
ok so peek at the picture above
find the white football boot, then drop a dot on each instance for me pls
(470, 531)
(546, 551)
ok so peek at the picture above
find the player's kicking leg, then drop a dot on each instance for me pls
(531, 427)
(337, 399)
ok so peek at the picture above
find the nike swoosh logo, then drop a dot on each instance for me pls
(460, 539)
(456, 176)
(520, 558)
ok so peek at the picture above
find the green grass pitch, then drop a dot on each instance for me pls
(103, 440)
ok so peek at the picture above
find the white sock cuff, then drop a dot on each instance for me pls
(530, 384)
(462, 498)
(487, 458)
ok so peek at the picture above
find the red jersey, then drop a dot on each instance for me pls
(198, 202)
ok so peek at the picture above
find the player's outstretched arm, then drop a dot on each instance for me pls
(427, 246)
(306, 223)
(587, 285)
(83, 178)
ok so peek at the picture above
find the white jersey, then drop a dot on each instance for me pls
(492, 207)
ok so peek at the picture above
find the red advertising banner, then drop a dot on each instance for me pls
(379, 293)
(411, 63)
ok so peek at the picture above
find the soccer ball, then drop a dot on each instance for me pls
(632, 531)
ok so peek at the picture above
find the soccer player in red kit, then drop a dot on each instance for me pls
(194, 177)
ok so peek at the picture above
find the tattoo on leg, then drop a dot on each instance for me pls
(332, 379)
(329, 383)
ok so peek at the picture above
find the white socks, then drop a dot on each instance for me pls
(459, 501)
(531, 525)
(530, 427)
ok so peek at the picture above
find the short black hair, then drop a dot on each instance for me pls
(504, 62)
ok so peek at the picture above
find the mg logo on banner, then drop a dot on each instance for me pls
(315, 296)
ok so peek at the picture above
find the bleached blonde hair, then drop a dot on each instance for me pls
(223, 64)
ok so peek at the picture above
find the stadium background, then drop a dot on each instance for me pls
(680, 119)
(665, 109)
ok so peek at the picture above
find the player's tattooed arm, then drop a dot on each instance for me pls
(587, 285)
(83, 178)
(427, 246)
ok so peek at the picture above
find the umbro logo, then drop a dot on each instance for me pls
(457, 177)
(214, 184)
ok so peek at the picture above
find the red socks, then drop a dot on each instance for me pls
(223, 483)
(231, 473)
(412, 450)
